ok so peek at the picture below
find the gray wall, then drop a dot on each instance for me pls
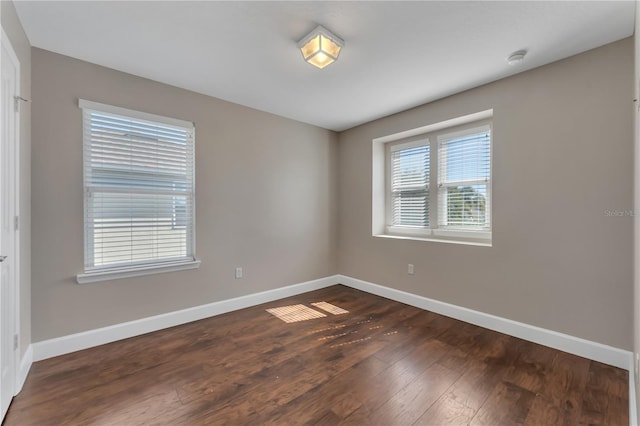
(265, 200)
(13, 28)
(268, 193)
(563, 155)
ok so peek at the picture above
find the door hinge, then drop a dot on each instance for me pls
(16, 223)
(15, 342)
(17, 100)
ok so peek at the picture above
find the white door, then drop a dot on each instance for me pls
(8, 222)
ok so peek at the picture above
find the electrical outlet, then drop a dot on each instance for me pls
(410, 269)
(238, 273)
(636, 371)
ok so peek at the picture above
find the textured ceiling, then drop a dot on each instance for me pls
(397, 54)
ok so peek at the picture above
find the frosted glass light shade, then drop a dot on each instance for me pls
(320, 47)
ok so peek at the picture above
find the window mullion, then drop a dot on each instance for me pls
(433, 178)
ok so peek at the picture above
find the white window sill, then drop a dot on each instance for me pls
(481, 242)
(118, 273)
(409, 231)
(462, 234)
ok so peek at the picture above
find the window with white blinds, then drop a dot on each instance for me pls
(410, 185)
(464, 179)
(439, 184)
(138, 189)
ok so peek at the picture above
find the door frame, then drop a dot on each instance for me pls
(16, 195)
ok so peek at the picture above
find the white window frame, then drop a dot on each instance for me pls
(432, 135)
(93, 274)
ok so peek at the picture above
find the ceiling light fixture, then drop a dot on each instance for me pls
(516, 57)
(321, 47)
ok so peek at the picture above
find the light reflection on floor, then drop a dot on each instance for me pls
(332, 309)
(296, 313)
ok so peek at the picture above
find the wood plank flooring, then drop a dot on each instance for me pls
(383, 363)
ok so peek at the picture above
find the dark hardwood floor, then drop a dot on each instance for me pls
(382, 363)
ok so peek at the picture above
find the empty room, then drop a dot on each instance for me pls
(319, 212)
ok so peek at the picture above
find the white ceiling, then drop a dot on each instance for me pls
(397, 55)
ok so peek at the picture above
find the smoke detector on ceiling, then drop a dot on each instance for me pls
(516, 57)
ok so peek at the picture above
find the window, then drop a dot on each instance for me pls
(463, 180)
(138, 193)
(409, 186)
(437, 183)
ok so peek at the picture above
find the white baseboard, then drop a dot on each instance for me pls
(87, 339)
(564, 342)
(25, 366)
